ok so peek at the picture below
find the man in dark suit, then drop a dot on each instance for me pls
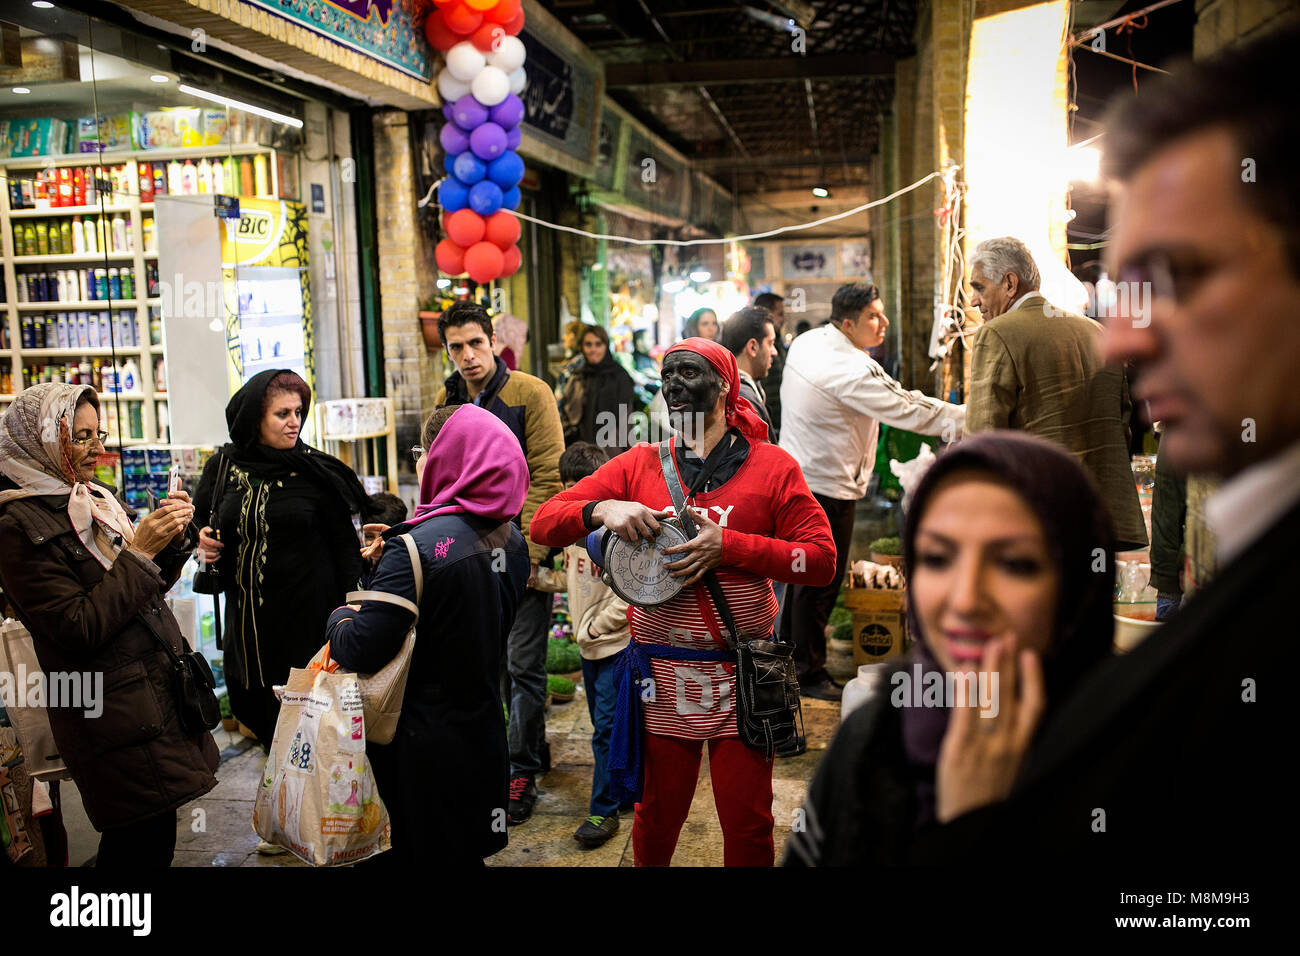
(1175, 752)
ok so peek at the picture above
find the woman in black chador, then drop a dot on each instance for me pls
(285, 546)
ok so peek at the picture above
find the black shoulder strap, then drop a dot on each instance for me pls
(688, 525)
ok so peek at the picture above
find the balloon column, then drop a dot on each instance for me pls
(480, 85)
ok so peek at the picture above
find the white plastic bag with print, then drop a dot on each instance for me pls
(318, 798)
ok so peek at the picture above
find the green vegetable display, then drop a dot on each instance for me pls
(560, 686)
(886, 546)
(843, 632)
(562, 656)
(840, 617)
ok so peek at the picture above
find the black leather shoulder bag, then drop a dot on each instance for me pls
(768, 713)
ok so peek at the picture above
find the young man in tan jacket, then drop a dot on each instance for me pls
(600, 625)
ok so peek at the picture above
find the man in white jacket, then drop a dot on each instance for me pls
(833, 397)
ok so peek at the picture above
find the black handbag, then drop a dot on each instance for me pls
(195, 688)
(769, 715)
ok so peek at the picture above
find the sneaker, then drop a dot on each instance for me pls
(269, 849)
(596, 830)
(523, 794)
(825, 689)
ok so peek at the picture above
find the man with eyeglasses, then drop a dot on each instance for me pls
(1176, 753)
(1036, 368)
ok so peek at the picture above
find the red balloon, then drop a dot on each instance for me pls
(486, 36)
(505, 11)
(437, 32)
(483, 262)
(450, 257)
(515, 25)
(511, 259)
(502, 229)
(461, 19)
(464, 227)
(444, 3)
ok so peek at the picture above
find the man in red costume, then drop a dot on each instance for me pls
(757, 522)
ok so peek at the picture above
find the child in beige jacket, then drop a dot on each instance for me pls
(600, 626)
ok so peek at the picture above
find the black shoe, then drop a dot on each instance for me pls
(596, 830)
(823, 690)
(523, 794)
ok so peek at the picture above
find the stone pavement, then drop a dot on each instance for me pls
(216, 830)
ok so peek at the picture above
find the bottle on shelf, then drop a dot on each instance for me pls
(189, 178)
(150, 237)
(218, 176)
(119, 234)
(204, 173)
(261, 181)
(79, 186)
(130, 380)
(91, 241)
(78, 236)
(146, 182)
(246, 184)
(159, 180)
(174, 178)
(42, 238)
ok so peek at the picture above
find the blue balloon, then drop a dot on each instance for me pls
(469, 169)
(453, 194)
(506, 170)
(511, 198)
(485, 197)
(449, 163)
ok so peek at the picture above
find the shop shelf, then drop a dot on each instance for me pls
(72, 257)
(65, 211)
(98, 351)
(124, 396)
(117, 157)
(86, 305)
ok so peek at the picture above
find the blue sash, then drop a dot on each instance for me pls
(631, 667)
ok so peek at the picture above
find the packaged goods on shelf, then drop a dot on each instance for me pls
(38, 137)
(171, 128)
(111, 131)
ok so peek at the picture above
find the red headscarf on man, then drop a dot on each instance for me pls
(740, 413)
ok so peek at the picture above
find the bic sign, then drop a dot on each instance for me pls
(254, 236)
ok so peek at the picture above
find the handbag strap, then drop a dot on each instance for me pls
(417, 569)
(691, 529)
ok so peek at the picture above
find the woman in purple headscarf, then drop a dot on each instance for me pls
(444, 776)
(1009, 556)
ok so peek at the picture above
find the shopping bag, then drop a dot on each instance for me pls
(18, 665)
(382, 691)
(318, 798)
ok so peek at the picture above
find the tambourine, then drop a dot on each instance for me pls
(637, 572)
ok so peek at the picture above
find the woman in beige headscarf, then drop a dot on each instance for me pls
(90, 588)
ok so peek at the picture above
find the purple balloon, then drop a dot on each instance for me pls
(447, 112)
(506, 170)
(453, 138)
(488, 141)
(469, 113)
(508, 113)
(469, 169)
(514, 137)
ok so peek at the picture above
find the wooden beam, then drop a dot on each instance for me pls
(776, 69)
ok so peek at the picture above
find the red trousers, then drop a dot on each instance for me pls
(742, 792)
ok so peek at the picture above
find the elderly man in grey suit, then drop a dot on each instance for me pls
(1037, 368)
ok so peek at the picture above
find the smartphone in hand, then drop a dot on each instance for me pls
(174, 479)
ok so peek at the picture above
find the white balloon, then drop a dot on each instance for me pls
(450, 88)
(491, 86)
(509, 55)
(464, 61)
(518, 80)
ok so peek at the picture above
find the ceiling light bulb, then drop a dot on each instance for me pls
(159, 78)
(821, 192)
(42, 4)
(700, 276)
(21, 89)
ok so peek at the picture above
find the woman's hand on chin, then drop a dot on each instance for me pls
(987, 738)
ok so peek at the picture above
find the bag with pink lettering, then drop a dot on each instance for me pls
(318, 797)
